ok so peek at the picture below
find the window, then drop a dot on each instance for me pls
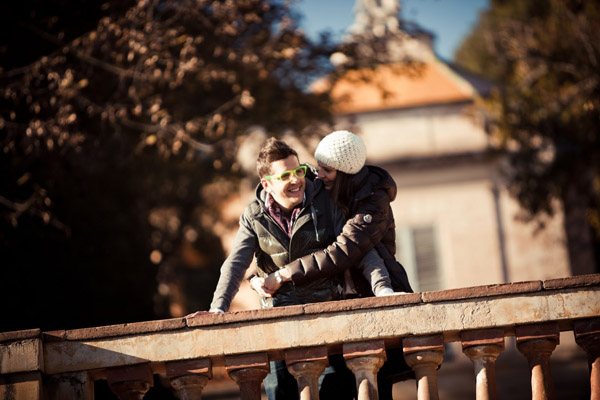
(417, 251)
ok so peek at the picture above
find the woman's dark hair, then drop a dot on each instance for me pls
(272, 150)
(342, 191)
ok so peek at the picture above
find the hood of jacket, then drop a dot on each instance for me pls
(371, 178)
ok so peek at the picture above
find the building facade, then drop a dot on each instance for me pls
(457, 224)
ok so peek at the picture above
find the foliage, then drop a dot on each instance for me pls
(545, 56)
(115, 117)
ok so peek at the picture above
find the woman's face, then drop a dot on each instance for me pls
(327, 175)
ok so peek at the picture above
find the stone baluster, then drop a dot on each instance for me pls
(587, 335)
(424, 354)
(364, 359)
(77, 385)
(131, 382)
(483, 348)
(537, 342)
(306, 365)
(248, 371)
(189, 377)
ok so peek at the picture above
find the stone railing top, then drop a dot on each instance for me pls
(217, 336)
(207, 319)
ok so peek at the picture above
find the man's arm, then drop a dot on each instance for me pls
(359, 235)
(234, 267)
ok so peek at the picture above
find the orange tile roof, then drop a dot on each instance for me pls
(434, 83)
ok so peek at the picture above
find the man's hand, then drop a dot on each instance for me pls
(272, 283)
(276, 279)
(257, 284)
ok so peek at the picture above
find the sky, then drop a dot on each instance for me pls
(449, 20)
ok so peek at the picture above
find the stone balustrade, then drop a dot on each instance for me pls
(66, 364)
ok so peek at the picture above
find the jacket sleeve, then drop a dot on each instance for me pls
(235, 266)
(359, 235)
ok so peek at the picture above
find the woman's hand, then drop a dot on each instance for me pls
(258, 284)
(276, 279)
(272, 283)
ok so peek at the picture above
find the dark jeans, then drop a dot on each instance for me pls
(336, 382)
(279, 383)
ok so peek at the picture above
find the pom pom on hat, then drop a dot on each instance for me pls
(343, 151)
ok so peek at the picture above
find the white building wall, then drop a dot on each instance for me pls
(534, 253)
(418, 132)
(459, 203)
(479, 239)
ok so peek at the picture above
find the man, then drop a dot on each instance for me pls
(290, 217)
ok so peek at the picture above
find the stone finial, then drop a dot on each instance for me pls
(424, 354)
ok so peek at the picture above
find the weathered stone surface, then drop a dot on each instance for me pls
(116, 330)
(23, 355)
(257, 315)
(174, 369)
(242, 361)
(249, 380)
(208, 319)
(306, 354)
(539, 331)
(573, 282)
(364, 360)
(375, 348)
(323, 329)
(361, 304)
(483, 291)
(26, 386)
(587, 335)
(482, 337)
(307, 375)
(189, 387)
(418, 344)
(19, 335)
(130, 382)
(69, 386)
(140, 372)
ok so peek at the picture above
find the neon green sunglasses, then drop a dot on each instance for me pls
(299, 172)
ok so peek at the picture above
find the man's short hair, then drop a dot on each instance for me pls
(272, 150)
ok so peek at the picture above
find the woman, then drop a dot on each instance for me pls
(364, 194)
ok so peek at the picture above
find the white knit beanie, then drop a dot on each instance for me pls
(343, 151)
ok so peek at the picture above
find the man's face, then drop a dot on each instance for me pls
(288, 193)
(327, 175)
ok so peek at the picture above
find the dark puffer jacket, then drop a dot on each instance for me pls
(259, 235)
(371, 226)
